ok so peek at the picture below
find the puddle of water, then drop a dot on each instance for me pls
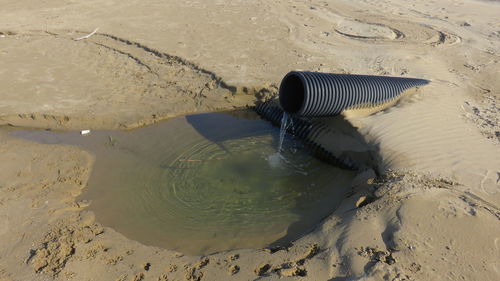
(205, 183)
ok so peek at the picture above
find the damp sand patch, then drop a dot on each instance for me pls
(205, 183)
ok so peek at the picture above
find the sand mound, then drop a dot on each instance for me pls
(430, 136)
(413, 228)
(361, 30)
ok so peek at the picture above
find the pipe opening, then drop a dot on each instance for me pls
(291, 93)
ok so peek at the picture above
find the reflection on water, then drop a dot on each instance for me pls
(205, 183)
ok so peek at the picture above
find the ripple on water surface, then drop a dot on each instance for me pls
(205, 183)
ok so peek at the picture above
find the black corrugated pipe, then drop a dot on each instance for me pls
(353, 154)
(305, 93)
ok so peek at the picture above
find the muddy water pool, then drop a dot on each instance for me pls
(205, 183)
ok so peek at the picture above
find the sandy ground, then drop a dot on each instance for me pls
(433, 216)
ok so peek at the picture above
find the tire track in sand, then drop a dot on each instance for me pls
(102, 81)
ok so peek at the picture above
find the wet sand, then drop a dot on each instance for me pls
(432, 215)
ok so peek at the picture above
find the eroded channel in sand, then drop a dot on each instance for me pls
(205, 183)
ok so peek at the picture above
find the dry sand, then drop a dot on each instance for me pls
(436, 217)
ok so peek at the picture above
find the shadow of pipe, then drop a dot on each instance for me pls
(331, 139)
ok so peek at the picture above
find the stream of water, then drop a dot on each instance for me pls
(283, 127)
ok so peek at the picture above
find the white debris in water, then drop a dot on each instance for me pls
(84, 132)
